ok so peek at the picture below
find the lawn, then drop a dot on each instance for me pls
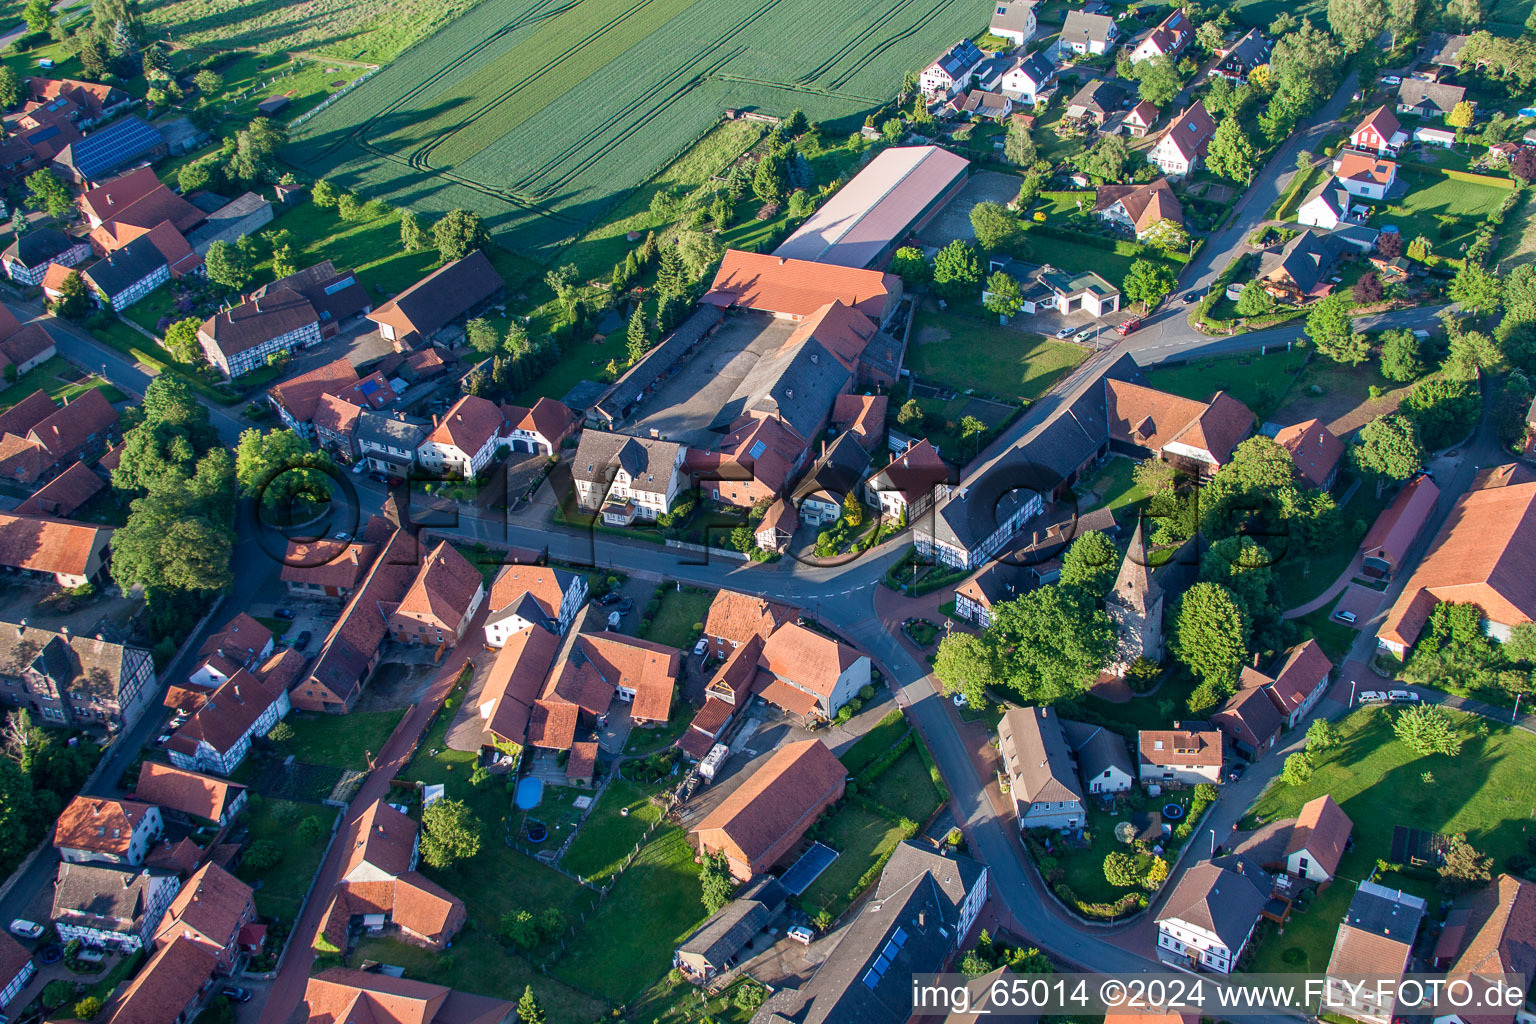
(369, 30)
(510, 110)
(341, 741)
(607, 836)
(61, 379)
(1304, 573)
(1259, 382)
(281, 888)
(482, 965)
(652, 907)
(1379, 783)
(1077, 256)
(1434, 196)
(1085, 867)
(680, 611)
(882, 737)
(1335, 638)
(1114, 485)
(861, 838)
(963, 352)
(906, 788)
(1149, 711)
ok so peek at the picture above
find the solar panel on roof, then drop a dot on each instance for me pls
(368, 386)
(871, 980)
(333, 288)
(890, 951)
(900, 938)
(44, 135)
(757, 449)
(881, 963)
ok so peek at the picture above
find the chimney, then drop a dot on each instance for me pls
(353, 550)
(256, 301)
(922, 918)
(434, 419)
(64, 631)
(1255, 659)
(22, 626)
(1239, 867)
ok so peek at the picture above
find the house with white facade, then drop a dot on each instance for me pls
(16, 969)
(1167, 39)
(627, 478)
(1379, 133)
(387, 442)
(1365, 175)
(1185, 757)
(1375, 938)
(1326, 206)
(217, 737)
(464, 440)
(813, 674)
(1103, 759)
(538, 430)
(951, 73)
(1318, 840)
(111, 908)
(1028, 78)
(1088, 33)
(127, 275)
(106, 831)
(528, 595)
(1042, 776)
(246, 337)
(1208, 918)
(1013, 20)
(1183, 143)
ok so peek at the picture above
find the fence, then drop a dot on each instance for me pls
(293, 928)
(332, 98)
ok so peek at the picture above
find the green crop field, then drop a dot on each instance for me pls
(540, 115)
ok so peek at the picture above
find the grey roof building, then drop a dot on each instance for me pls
(1428, 99)
(838, 472)
(1087, 30)
(621, 399)
(38, 246)
(649, 463)
(119, 271)
(105, 903)
(715, 943)
(1035, 752)
(1098, 750)
(796, 385)
(382, 430)
(334, 294)
(922, 909)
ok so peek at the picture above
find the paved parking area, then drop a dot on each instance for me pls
(1361, 600)
(954, 221)
(686, 405)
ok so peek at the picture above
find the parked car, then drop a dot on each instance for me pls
(1086, 334)
(235, 994)
(285, 614)
(1371, 697)
(1344, 616)
(24, 929)
(303, 641)
(801, 933)
(608, 598)
(626, 605)
(1403, 697)
(1065, 332)
(1128, 326)
(1190, 297)
(701, 646)
(1234, 773)
(614, 618)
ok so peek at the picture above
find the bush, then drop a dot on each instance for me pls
(311, 830)
(282, 732)
(262, 854)
(88, 1007)
(56, 993)
(866, 692)
(749, 996)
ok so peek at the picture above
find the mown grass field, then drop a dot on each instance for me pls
(513, 110)
(962, 352)
(366, 30)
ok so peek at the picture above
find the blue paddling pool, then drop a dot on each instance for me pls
(1173, 812)
(529, 792)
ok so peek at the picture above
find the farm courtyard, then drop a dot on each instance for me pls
(510, 110)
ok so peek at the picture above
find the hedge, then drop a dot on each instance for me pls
(1118, 246)
(1127, 904)
(879, 765)
(1475, 179)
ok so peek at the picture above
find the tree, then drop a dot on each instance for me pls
(323, 194)
(261, 855)
(1230, 155)
(1357, 23)
(970, 426)
(413, 237)
(699, 252)
(1210, 37)
(482, 336)
(1148, 282)
(1157, 80)
(1004, 297)
(995, 228)
(181, 340)
(1253, 300)
(1470, 353)
(311, 831)
(282, 470)
(228, 265)
(911, 266)
(1523, 164)
(195, 177)
(529, 1009)
(1105, 161)
(39, 15)
(1389, 244)
(1389, 446)
(1475, 288)
(1019, 144)
(1460, 115)
(956, 272)
(208, 82)
(910, 414)
(458, 234)
(1049, 643)
(1168, 234)
(1120, 869)
(46, 192)
(1368, 290)
(1322, 737)
(1402, 17)
(10, 87)
(1400, 358)
(1426, 729)
(94, 60)
(715, 881)
(88, 1008)
(964, 664)
(254, 159)
(1442, 409)
(853, 511)
(770, 178)
(1464, 868)
(521, 929)
(1090, 564)
(639, 334)
(1297, 770)
(74, 299)
(449, 833)
(1333, 332)
(1209, 634)
(1303, 67)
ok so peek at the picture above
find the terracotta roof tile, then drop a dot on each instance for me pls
(1322, 829)
(468, 425)
(582, 763)
(227, 715)
(240, 639)
(862, 415)
(552, 724)
(167, 984)
(381, 838)
(300, 395)
(211, 906)
(49, 545)
(443, 591)
(777, 802)
(1395, 529)
(1305, 666)
(99, 824)
(798, 288)
(1314, 449)
(1185, 748)
(328, 563)
(1382, 119)
(341, 995)
(809, 659)
(1503, 927)
(67, 430)
(65, 493)
(27, 413)
(514, 680)
(202, 796)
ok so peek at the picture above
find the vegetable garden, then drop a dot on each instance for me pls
(540, 116)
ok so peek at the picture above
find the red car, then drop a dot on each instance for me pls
(1128, 326)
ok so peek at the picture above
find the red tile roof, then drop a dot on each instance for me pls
(301, 395)
(202, 796)
(1305, 667)
(240, 639)
(340, 995)
(27, 413)
(774, 806)
(210, 908)
(328, 563)
(1191, 131)
(227, 715)
(443, 591)
(67, 430)
(381, 838)
(1314, 449)
(112, 197)
(1394, 530)
(806, 658)
(49, 545)
(1485, 554)
(468, 425)
(1352, 166)
(1185, 748)
(1503, 927)
(862, 415)
(1322, 829)
(514, 680)
(552, 723)
(65, 493)
(167, 984)
(1145, 204)
(1383, 120)
(582, 763)
(548, 418)
(99, 824)
(799, 288)
(737, 617)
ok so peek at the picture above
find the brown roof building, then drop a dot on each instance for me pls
(1376, 938)
(170, 987)
(1502, 926)
(1249, 718)
(452, 291)
(1141, 207)
(1314, 449)
(442, 600)
(1485, 554)
(1179, 755)
(1318, 840)
(795, 289)
(297, 398)
(379, 881)
(64, 494)
(72, 553)
(1394, 531)
(191, 793)
(762, 820)
(734, 617)
(813, 674)
(513, 683)
(340, 995)
(327, 567)
(111, 831)
(211, 909)
(1197, 436)
(245, 337)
